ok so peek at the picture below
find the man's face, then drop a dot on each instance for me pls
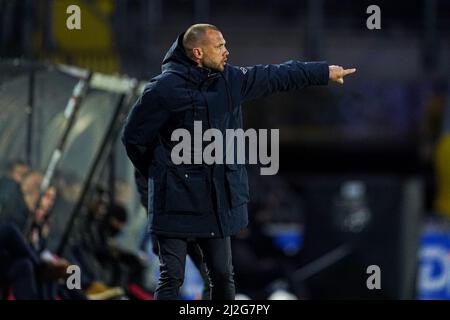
(215, 54)
(30, 188)
(19, 173)
(48, 198)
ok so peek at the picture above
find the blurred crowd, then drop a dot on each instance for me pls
(32, 263)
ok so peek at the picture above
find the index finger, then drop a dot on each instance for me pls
(349, 71)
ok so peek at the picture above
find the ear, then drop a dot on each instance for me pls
(197, 53)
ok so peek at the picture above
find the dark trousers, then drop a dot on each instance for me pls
(197, 257)
(172, 257)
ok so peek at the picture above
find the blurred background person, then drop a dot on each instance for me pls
(13, 208)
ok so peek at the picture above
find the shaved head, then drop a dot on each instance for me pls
(205, 45)
(195, 35)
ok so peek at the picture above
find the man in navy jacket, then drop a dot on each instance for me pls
(207, 203)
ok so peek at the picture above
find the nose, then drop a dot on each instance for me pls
(226, 52)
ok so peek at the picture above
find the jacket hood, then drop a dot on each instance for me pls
(176, 56)
(178, 62)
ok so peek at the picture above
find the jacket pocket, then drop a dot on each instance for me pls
(187, 191)
(238, 185)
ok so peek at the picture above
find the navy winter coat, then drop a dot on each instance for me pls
(200, 200)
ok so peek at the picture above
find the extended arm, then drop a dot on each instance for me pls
(260, 80)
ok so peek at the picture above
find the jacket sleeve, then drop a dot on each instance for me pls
(142, 126)
(259, 81)
(142, 188)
